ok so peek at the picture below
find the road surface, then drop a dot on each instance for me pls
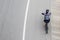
(12, 14)
(35, 25)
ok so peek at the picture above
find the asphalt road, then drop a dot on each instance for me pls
(35, 25)
(12, 13)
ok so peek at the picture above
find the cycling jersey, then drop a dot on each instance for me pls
(47, 16)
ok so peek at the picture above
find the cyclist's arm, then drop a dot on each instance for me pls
(42, 13)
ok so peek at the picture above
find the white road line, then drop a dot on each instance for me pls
(25, 19)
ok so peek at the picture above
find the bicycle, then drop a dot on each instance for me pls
(46, 28)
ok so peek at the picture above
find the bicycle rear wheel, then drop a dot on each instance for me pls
(46, 28)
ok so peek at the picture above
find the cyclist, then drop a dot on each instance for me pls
(46, 19)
